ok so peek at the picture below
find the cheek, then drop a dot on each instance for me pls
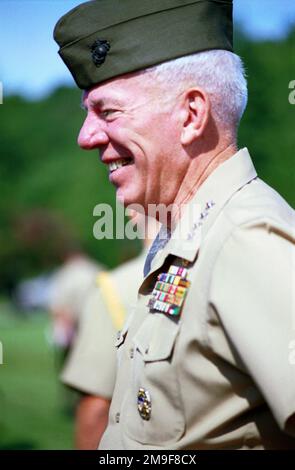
(122, 133)
(116, 131)
(164, 129)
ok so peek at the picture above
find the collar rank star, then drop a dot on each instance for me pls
(170, 291)
(199, 222)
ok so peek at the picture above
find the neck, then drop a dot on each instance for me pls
(147, 242)
(198, 171)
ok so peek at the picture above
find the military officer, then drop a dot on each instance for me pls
(204, 360)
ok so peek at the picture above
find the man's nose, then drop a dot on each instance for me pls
(92, 134)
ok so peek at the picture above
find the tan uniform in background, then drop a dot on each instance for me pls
(70, 287)
(91, 366)
(217, 375)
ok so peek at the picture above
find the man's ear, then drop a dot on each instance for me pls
(196, 112)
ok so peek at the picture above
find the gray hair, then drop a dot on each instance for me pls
(220, 73)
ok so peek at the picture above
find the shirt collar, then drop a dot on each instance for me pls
(202, 210)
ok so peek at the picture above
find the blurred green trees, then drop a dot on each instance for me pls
(268, 126)
(42, 168)
(50, 185)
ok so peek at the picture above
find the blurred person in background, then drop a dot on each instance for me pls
(70, 287)
(66, 272)
(91, 366)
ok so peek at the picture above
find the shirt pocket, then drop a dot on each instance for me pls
(120, 341)
(154, 370)
(121, 334)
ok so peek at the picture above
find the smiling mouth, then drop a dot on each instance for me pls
(113, 166)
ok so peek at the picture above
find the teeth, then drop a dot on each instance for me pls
(118, 164)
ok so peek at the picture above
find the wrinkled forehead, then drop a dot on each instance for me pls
(129, 88)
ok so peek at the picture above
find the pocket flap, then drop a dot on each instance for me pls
(121, 335)
(156, 337)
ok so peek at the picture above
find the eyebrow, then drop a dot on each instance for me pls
(101, 102)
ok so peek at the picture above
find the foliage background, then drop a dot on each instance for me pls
(42, 168)
(42, 171)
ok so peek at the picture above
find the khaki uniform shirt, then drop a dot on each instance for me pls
(219, 375)
(91, 366)
(71, 285)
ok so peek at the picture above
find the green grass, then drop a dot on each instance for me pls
(32, 401)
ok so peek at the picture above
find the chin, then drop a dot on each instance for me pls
(126, 198)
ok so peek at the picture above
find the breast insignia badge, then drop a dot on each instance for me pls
(170, 291)
(144, 404)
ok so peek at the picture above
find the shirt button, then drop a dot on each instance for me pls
(131, 353)
(117, 418)
(119, 334)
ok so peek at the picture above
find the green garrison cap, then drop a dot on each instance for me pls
(103, 39)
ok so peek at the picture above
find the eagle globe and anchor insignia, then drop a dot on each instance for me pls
(99, 50)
